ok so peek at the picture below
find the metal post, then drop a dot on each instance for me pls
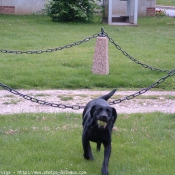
(110, 12)
(135, 11)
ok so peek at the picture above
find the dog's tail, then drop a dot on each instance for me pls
(107, 96)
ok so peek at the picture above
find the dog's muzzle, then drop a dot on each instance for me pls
(101, 124)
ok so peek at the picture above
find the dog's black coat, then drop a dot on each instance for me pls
(98, 109)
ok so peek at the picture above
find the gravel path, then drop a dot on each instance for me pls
(151, 101)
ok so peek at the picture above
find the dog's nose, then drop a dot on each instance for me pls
(103, 117)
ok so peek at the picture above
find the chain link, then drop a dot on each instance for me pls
(142, 91)
(32, 99)
(101, 34)
(132, 58)
(52, 49)
(77, 107)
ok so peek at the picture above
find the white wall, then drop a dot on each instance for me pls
(30, 6)
(143, 5)
(24, 6)
(119, 7)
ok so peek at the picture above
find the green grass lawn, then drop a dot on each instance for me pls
(166, 2)
(142, 144)
(152, 43)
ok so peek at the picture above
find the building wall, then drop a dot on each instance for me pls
(144, 5)
(21, 6)
(31, 6)
(120, 6)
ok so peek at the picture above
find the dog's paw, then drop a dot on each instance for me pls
(88, 157)
(104, 171)
(91, 158)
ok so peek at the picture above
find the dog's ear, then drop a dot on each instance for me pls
(93, 109)
(114, 114)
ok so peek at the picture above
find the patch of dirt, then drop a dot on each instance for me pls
(151, 101)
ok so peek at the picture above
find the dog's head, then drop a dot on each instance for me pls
(104, 116)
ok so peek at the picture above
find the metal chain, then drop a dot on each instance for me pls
(32, 99)
(101, 34)
(133, 59)
(77, 107)
(52, 49)
(129, 97)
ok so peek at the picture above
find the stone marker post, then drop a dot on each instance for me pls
(100, 62)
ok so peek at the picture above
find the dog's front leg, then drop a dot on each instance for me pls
(107, 153)
(98, 146)
(87, 149)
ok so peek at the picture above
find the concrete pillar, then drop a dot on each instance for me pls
(100, 62)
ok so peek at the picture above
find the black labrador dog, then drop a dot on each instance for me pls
(98, 121)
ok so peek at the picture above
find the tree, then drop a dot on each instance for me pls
(72, 10)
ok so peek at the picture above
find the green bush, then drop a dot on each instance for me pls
(72, 10)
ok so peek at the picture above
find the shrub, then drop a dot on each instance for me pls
(160, 12)
(72, 10)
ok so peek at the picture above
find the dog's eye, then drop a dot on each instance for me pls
(99, 109)
(107, 110)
